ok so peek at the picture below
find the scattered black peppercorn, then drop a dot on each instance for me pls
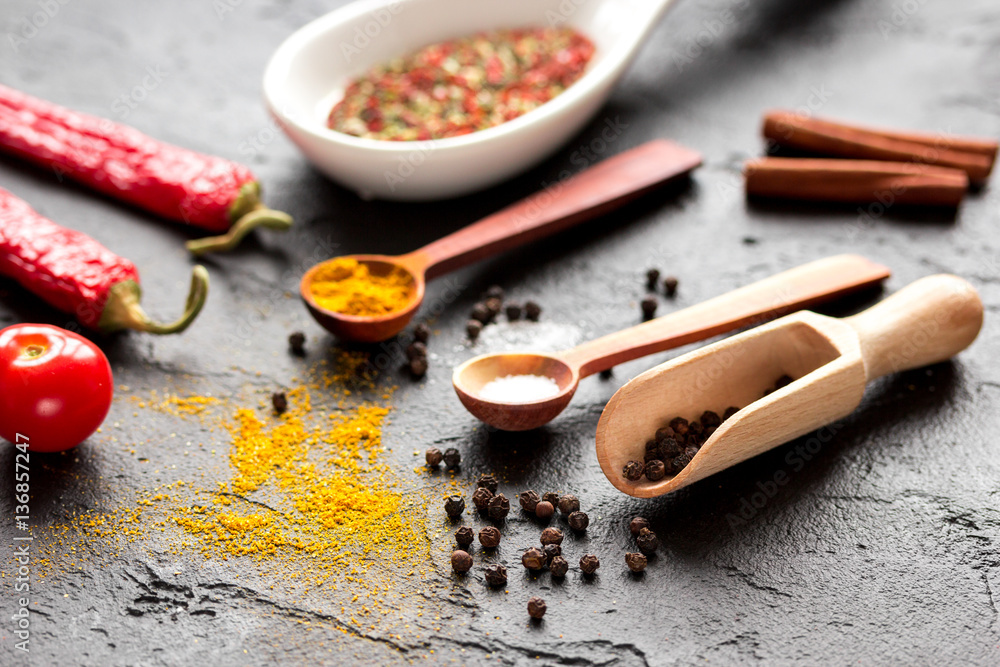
(551, 536)
(433, 456)
(607, 373)
(422, 333)
(513, 312)
(464, 536)
(569, 504)
(494, 292)
(499, 507)
(655, 470)
(710, 419)
(551, 497)
(481, 313)
(452, 458)
(536, 607)
(783, 381)
(680, 425)
(418, 367)
(558, 566)
(529, 500)
(579, 521)
(454, 506)
(647, 541)
(633, 470)
(544, 510)
(472, 329)
(481, 499)
(280, 402)
(494, 306)
(488, 482)
(489, 537)
(416, 350)
(652, 279)
(589, 563)
(533, 559)
(461, 561)
(496, 575)
(648, 306)
(637, 524)
(551, 551)
(297, 343)
(730, 411)
(635, 562)
(670, 286)
(532, 310)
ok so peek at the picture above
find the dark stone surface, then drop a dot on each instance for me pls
(881, 549)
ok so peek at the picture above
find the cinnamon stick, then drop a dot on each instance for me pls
(974, 156)
(855, 181)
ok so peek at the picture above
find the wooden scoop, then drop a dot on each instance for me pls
(785, 292)
(596, 191)
(830, 359)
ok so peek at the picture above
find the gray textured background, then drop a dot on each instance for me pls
(881, 550)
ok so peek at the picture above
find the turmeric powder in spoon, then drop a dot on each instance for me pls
(345, 285)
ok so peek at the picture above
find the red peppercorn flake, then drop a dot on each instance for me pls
(462, 86)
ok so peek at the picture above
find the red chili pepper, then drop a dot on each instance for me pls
(75, 273)
(119, 161)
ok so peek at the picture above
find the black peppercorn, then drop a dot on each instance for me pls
(533, 559)
(418, 367)
(496, 575)
(488, 482)
(652, 278)
(481, 499)
(648, 306)
(635, 562)
(647, 541)
(551, 536)
(489, 537)
(532, 310)
(513, 312)
(589, 563)
(461, 561)
(670, 286)
(544, 510)
(710, 431)
(464, 536)
(637, 524)
(730, 411)
(529, 500)
(494, 306)
(452, 458)
(579, 521)
(783, 381)
(551, 551)
(652, 451)
(472, 329)
(696, 428)
(433, 456)
(494, 292)
(633, 470)
(680, 425)
(416, 350)
(551, 497)
(664, 433)
(280, 402)
(680, 461)
(670, 448)
(297, 343)
(655, 470)
(454, 506)
(690, 451)
(536, 608)
(710, 419)
(607, 373)
(558, 566)
(498, 507)
(422, 333)
(568, 504)
(481, 313)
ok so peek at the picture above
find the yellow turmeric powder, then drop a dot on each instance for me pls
(345, 285)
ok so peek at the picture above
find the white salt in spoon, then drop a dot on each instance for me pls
(308, 73)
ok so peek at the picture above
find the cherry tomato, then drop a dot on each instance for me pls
(55, 387)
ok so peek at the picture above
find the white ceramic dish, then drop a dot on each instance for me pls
(308, 72)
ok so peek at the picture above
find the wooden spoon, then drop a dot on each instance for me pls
(831, 360)
(804, 286)
(598, 190)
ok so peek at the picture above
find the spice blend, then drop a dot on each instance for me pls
(345, 285)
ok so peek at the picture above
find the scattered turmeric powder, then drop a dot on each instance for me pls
(345, 285)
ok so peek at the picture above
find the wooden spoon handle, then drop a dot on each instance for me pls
(797, 288)
(928, 321)
(587, 195)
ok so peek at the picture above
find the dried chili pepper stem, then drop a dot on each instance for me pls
(123, 310)
(248, 213)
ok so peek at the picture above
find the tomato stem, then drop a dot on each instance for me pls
(248, 213)
(123, 311)
(34, 351)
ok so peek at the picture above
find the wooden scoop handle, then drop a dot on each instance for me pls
(928, 321)
(777, 295)
(591, 193)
